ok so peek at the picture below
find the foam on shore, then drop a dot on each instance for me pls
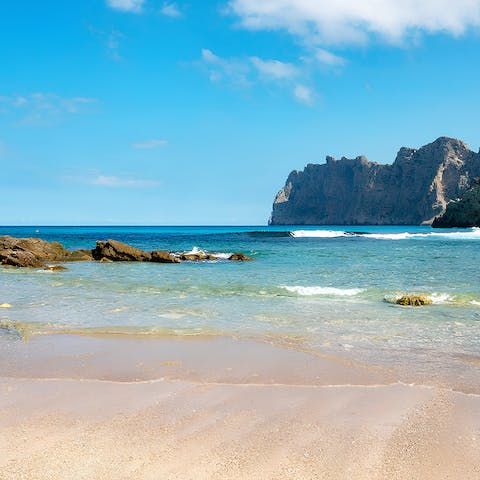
(316, 290)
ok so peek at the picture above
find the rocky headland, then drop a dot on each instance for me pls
(464, 212)
(37, 253)
(413, 190)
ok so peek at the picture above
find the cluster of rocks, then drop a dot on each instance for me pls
(37, 253)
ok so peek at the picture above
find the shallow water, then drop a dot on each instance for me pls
(332, 287)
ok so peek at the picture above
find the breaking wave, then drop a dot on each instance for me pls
(309, 291)
(319, 234)
(468, 234)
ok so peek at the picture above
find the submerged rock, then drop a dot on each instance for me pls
(55, 268)
(240, 257)
(413, 300)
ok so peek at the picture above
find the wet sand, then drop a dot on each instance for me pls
(79, 407)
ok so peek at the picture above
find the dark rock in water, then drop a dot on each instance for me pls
(462, 213)
(194, 257)
(80, 256)
(105, 260)
(413, 300)
(119, 252)
(30, 252)
(240, 257)
(413, 190)
(162, 256)
(20, 258)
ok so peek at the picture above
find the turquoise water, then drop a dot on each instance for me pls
(331, 287)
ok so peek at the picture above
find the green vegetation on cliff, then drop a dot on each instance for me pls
(464, 212)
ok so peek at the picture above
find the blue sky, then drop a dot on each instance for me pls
(189, 112)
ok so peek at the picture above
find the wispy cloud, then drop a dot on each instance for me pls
(251, 71)
(42, 108)
(274, 69)
(121, 182)
(171, 9)
(328, 58)
(232, 70)
(304, 94)
(153, 143)
(353, 22)
(133, 6)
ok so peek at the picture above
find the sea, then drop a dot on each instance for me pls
(330, 290)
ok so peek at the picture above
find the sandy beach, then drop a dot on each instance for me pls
(83, 407)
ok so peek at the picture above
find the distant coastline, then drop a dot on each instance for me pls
(414, 190)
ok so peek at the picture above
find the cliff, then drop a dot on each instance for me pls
(413, 190)
(464, 212)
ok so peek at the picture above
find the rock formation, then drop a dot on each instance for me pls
(464, 212)
(116, 251)
(34, 253)
(413, 300)
(413, 190)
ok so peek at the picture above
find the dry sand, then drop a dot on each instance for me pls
(221, 408)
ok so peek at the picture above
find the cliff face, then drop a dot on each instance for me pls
(464, 212)
(413, 190)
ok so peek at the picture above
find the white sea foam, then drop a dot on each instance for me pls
(197, 251)
(468, 234)
(317, 233)
(308, 291)
(439, 298)
(475, 302)
(392, 236)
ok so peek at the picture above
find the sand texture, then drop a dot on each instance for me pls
(221, 409)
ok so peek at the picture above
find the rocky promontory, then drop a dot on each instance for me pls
(464, 212)
(413, 190)
(37, 253)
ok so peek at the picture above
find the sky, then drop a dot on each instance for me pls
(189, 112)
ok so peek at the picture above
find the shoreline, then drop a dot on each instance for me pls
(85, 407)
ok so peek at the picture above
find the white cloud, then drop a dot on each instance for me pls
(232, 70)
(171, 10)
(153, 143)
(134, 6)
(248, 72)
(304, 94)
(114, 181)
(42, 108)
(357, 21)
(274, 69)
(210, 57)
(328, 58)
